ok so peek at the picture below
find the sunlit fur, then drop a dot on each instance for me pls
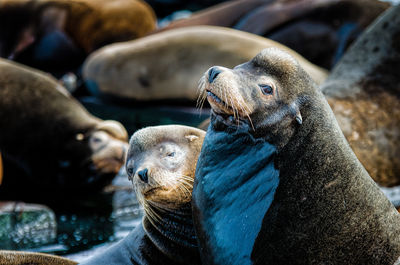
(170, 179)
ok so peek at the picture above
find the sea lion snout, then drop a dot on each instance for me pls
(108, 153)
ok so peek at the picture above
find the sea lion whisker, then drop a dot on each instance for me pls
(185, 184)
(233, 108)
(187, 178)
(251, 122)
(184, 190)
(201, 101)
(202, 93)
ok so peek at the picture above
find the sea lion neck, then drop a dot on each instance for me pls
(173, 232)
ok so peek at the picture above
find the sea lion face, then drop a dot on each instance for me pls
(262, 93)
(161, 163)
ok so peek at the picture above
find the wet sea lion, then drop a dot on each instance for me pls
(49, 143)
(276, 181)
(364, 91)
(22, 257)
(165, 66)
(161, 162)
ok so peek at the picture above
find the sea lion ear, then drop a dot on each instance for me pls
(299, 119)
(191, 137)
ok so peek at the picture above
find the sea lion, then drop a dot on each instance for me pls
(21, 257)
(165, 66)
(68, 30)
(161, 162)
(276, 181)
(301, 25)
(364, 91)
(49, 143)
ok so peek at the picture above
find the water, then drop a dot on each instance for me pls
(98, 221)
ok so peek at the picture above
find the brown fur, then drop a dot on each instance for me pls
(90, 23)
(31, 258)
(144, 151)
(363, 91)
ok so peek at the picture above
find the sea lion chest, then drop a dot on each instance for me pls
(232, 167)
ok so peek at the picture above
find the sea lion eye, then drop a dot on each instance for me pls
(266, 89)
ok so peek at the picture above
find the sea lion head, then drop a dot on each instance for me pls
(106, 147)
(264, 94)
(161, 163)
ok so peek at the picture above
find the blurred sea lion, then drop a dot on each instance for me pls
(364, 93)
(8, 257)
(161, 163)
(224, 15)
(67, 31)
(165, 66)
(301, 25)
(49, 143)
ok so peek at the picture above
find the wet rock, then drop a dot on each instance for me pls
(26, 225)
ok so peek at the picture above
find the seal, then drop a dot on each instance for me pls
(50, 144)
(363, 101)
(276, 181)
(161, 163)
(161, 66)
(22, 257)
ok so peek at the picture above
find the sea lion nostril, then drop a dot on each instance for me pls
(143, 175)
(213, 73)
